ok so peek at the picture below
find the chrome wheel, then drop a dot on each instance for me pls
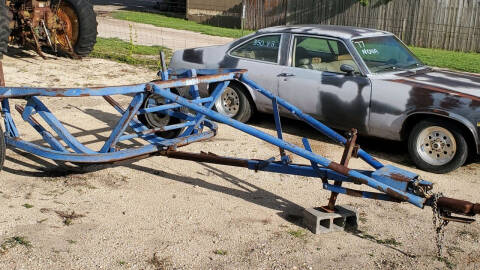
(436, 145)
(229, 103)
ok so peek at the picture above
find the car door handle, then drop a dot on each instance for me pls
(286, 75)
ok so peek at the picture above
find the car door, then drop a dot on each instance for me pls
(261, 56)
(314, 82)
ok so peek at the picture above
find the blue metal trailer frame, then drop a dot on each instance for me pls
(197, 121)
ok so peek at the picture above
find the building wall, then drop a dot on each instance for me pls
(226, 13)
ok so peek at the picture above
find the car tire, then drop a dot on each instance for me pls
(235, 102)
(437, 146)
(3, 146)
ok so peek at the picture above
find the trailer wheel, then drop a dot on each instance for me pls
(79, 25)
(4, 28)
(158, 120)
(2, 148)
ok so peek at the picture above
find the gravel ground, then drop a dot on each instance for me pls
(159, 213)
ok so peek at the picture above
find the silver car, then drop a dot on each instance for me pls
(353, 77)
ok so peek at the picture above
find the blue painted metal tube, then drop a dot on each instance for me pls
(136, 125)
(123, 123)
(102, 157)
(171, 106)
(165, 128)
(81, 158)
(22, 92)
(47, 136)
(10, 127)
(217, 92)
(61, 131)
(355, 193)
(311, 121)
(294, 149)
(16, 92)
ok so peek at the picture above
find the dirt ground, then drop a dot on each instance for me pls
(159, 213)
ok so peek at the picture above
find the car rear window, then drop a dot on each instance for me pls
(264, 48)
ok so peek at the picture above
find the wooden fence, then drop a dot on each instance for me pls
(445, 24)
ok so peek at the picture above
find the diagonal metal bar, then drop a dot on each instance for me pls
(61, 131)
(47, 136)
(123, 123)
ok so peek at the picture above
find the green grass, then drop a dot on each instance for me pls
(13, 242)
(116, 49)
(177, 23)
(220, 252)
(129, 53)
(27, 205)
(463, 61)
(297, 233)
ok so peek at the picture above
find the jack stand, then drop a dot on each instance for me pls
(332, 218)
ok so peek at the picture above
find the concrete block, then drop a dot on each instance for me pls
(319, 221)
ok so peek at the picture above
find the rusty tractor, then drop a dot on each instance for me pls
(64, 27)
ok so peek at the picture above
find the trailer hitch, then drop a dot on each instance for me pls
(448, 206)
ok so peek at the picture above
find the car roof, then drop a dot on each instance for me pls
(344, 32)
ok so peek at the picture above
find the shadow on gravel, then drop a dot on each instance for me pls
(379, 148)
(247, 191)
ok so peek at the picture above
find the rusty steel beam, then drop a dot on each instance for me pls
(458, 206)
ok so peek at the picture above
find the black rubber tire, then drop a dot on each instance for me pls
(3, 146)
(4, 28)
(246, 109)
(460, 155)
(170, 134)
(87, 24)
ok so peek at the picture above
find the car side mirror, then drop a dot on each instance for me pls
(347, 69)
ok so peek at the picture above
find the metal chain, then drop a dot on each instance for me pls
(439, 224)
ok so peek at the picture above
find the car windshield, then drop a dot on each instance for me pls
(386, 54)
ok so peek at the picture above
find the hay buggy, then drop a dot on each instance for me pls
(167, 120)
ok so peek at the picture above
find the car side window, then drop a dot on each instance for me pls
(321, 54)
(264, 48)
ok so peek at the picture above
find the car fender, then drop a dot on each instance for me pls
(449, 115)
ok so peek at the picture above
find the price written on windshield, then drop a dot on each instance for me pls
(265, 43)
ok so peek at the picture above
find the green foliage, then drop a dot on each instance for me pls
(364, 2)
(13, 242)
(27, 205)
(129, 53)
(220, 252)
(177, 23)
(297, 233)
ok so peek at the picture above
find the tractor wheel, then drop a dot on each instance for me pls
(79, 26)
(4, 28)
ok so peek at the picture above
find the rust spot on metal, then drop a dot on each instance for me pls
(359, 181)
(209, 158)
(419, 86)
(399, 177)
(338, 168)
(476, 209)
(354, 193)
(458, 206)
